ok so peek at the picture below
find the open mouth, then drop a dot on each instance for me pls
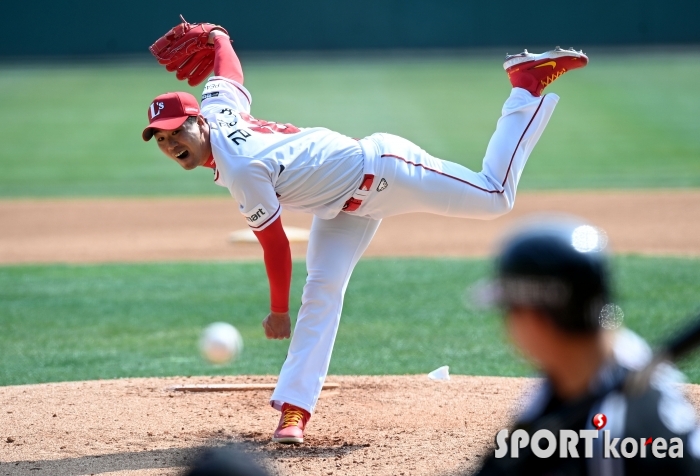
(183, 155)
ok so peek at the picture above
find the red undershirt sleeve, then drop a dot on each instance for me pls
(226, 62)
(278, 263)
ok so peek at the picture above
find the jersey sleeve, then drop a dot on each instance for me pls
(253, 190)
(221, 93)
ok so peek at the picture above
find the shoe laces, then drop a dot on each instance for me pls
(292, 417)
(549, 79)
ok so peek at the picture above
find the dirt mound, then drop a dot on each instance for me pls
(370, 425)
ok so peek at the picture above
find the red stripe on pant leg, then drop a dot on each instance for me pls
(510, 164)
(512, 157)
(442, 173)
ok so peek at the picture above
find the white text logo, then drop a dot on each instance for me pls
(256, 214)
(569, 439)
(160, 105)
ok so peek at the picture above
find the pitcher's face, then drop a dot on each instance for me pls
(188, 145)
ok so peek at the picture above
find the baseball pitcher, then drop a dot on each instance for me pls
(348, 185)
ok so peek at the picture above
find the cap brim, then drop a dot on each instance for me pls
(168, 124)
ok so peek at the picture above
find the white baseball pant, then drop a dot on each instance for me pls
(415, 182)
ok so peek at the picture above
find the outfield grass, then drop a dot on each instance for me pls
(622, 122)
(401, 316)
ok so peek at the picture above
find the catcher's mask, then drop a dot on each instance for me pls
(169, 111)
(556, 265)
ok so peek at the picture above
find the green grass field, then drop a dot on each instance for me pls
(622, 122)
(401, 316)
(74, 130)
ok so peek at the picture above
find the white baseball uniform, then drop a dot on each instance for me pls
(349, 186)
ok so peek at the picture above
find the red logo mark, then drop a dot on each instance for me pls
(599, 421)
(648, 442)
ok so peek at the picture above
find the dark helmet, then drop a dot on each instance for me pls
(225, 461)
(559, 267)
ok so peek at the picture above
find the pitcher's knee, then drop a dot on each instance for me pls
(499, 207)
(323, 284)
(322, 296)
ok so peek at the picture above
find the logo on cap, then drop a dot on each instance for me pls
(160, 105)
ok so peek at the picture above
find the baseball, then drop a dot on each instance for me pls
(220, 343)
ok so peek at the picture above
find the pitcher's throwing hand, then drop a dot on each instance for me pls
(277, 325)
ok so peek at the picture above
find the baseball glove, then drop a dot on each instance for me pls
(185, 50)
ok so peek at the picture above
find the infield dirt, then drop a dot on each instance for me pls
(395, 425)
(392, 425)
(128, 230)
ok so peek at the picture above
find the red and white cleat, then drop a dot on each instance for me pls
(535, 72)
(292, 424)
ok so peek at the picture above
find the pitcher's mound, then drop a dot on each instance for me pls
(366, 425)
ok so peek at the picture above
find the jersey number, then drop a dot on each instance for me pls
(239, 135)
(266, 127)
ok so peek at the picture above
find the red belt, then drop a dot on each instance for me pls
(355, 201)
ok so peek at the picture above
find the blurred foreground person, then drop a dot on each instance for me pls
(554, 287)
(225, 461)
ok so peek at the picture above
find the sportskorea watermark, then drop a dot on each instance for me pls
(568, 441)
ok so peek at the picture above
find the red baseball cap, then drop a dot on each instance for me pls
(169, 111)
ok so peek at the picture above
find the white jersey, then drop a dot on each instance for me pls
(266, 164)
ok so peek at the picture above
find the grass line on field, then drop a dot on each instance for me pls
(67, 322)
